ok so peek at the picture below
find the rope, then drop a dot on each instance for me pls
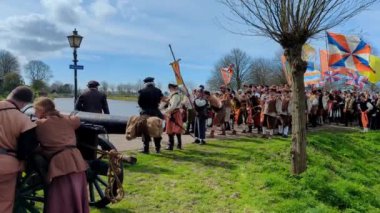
(114, 170)
(114, 160)
(114, 163)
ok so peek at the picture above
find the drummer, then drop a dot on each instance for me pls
(67, 168)
(17, 141)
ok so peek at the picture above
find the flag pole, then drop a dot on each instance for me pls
(184, 85)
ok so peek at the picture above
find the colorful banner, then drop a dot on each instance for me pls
(348, 51)
(323, 55)
(357, 80)
(177, 72)
(311, 76)
(331, 76)
(374, 62)
(227, 73)
(308, 52)
(287, 70)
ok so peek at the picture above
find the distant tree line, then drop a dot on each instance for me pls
(38, 75)
(37, 72)
(247, 70)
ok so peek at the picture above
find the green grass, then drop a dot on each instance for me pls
(253, 175)
(122, 98)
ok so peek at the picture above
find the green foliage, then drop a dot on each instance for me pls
(253, 175)
(39, 85)
(11, 81)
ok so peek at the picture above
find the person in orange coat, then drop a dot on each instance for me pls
(17, 142)
(66, 173)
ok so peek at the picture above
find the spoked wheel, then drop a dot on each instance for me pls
(29, 192)
(97, 176)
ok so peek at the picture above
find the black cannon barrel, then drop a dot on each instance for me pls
(112, 124)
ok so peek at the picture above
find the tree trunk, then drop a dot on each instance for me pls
(298, 124)
(298, 151)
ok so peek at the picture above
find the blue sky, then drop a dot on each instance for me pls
(127, 40)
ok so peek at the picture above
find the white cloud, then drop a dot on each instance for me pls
(103, 9)
(31, 35)
(64, 11)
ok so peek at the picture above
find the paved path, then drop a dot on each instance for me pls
(123, 145)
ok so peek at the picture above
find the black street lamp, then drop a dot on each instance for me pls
(74, 41)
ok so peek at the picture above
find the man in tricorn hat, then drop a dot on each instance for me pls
(92, 100)
(18, 140)
(149, 99)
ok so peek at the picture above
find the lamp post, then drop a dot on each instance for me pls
(74, 41)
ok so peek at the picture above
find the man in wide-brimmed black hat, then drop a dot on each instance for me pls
(149, 99)
(92, 100)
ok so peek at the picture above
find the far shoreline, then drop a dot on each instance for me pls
(109, 97)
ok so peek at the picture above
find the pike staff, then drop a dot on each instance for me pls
(178, 76)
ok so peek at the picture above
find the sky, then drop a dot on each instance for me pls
(127, 40)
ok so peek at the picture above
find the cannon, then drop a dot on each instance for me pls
(92, 141)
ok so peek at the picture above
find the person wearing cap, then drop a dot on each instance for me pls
(18, 140)
(365, 108)
(348, 110)
(256, 111)
(313, 108)
(270, 114)
(285, 113)
(225, 114)
(174, 122)
(216, 104)
(92, 100)
(149, 100)
(190, 112)
(201, 108)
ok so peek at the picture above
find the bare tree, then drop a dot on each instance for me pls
(260, 71)
(104, 86)
(241, 62)
(112, 88)
(38, 71)
(291, 23)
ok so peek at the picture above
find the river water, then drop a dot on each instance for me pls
(120, 108)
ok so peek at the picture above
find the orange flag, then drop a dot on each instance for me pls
(177, 72)
(324, 62)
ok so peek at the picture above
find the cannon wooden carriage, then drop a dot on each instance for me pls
(92, 141)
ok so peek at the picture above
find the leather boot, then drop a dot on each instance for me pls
(171, 142)
(179, 145)
(146, 140)
(250, 129)
(145, 149)
(157, 144)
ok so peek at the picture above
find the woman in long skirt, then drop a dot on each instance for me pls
(66, 174)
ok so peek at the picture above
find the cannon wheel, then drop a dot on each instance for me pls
(97, 176)
(29, 191)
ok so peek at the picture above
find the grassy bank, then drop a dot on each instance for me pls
(122, 98)
(252, 175)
